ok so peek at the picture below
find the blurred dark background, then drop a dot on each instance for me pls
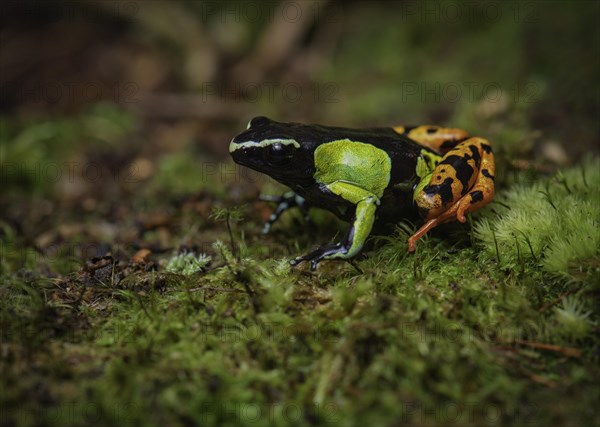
(102, 100)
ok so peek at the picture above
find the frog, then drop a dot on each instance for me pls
(369, 175)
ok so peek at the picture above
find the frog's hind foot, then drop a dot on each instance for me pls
(327, 251)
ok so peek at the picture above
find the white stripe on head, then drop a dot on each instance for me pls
(233, 146)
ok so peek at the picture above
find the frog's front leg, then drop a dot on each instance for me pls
(462, 182)
(350, 246)
(284, 202)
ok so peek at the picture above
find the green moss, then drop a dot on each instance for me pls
(486, 324)
(553, 223)
(573, 319)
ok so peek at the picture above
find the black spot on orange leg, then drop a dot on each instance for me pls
(476, 196)
(487, 174)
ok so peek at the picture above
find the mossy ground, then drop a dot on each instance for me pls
(490, 323)
(111, 315)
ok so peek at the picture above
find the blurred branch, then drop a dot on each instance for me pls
(277, 43)
(323, 46)
(173, 22)
(171, 105)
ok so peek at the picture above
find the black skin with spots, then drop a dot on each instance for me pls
(476, 156)
(464, 171)
(487, 174)
(487, 148)
(444, 190)
(447, 145)
(476, 196)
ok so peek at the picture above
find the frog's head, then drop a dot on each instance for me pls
(283, 151)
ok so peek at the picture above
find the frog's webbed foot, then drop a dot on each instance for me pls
(357, 234)
(462, 182)
(284, 202)
(330, 250)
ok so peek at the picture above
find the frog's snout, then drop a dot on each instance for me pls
(232, 146)
(239, 154)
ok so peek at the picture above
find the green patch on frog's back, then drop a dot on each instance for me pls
(362, 164)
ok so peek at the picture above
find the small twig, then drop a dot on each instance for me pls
(211, 288)
(567, 351)
(538, 378)
(558, 300)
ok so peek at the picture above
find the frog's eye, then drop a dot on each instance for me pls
(277, 153)
(258, 121)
